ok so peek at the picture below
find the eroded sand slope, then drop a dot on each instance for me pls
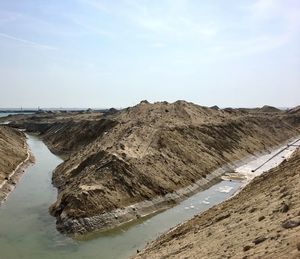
(13, 151)
(154, 150)
(262, 221)
(124, 164)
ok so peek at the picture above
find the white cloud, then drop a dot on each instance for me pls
(263, 7)
(171, 20)
(98, 4)
(158, 45)
(27, 42)
(88, 27)
(168, 20)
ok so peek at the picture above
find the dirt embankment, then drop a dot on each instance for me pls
(65, 138)
(154, 156)
(64, 133)
(126, 164)
(262, 221)
(13, 152)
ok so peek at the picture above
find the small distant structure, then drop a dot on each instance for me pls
(40, 111)
(89, 110)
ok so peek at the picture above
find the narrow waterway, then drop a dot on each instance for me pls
(5, 114)
(28, 231)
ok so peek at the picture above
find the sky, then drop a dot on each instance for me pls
(101, 53)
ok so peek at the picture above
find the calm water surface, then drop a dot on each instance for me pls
(4, 114)
(28, 231)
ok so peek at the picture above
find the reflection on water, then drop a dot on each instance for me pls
(28, 231)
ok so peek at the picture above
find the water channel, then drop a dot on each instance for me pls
(28, 231)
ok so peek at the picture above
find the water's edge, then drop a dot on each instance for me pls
(119, 217)
(28, 231)
(8, 186)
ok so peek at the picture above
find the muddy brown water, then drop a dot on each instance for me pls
(28, 231)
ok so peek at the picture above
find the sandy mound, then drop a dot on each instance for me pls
(267, 108)
(154, 150)
(294, 110)
(262, 221)
(13, 151)
(130, 163)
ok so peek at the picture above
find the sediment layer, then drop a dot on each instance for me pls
(147, 152)
(262, 221)
(153, 151)
(14, 157)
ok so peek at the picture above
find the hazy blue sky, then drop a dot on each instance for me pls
(97, 53)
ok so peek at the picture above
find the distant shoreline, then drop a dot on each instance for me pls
(35, 111)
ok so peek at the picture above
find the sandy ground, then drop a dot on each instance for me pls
(262, 221)
(146, 152)
(15, 156)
